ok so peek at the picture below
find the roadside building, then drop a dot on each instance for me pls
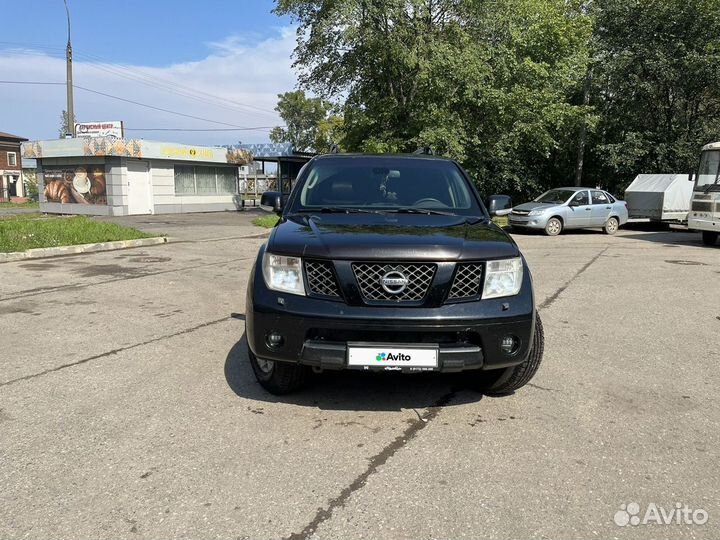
(11, 177)
(117, 177)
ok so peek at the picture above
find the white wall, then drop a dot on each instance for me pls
(162, 176)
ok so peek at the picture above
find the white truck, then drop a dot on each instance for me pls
(704, 213)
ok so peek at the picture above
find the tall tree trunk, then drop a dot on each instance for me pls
(582, 135)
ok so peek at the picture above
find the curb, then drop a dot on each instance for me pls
(42, 253)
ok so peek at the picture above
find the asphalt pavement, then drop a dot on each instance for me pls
(128, 408)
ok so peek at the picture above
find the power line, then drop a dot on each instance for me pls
(155, 108)
(259, 128)
(172, 89)
(149, 83)
(29, 82)
(172, 84)
(235, 127)
(167, 85)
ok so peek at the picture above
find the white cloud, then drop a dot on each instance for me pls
(238, 69)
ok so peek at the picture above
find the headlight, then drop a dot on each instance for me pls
(283, 273)
(503, 278)
(536, 212)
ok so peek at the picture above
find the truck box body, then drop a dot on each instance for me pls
(659, 197)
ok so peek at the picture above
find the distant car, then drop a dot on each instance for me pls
(570, 208)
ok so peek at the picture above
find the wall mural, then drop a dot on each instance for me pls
(140, 149)
(82, 184)
(111, 146)
(238, 156)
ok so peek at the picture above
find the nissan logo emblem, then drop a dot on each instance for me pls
(394, 282)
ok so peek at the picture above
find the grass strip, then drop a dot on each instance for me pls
(23, 232)
(268, 221)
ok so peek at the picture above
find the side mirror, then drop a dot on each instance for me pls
(272, 198)
(499, 205)
(691, 177)
(574, 203)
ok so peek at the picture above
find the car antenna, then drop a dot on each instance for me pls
(334, 149)
(424, 151)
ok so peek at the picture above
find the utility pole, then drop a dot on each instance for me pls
(68, 61)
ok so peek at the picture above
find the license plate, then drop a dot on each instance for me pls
(392, 356)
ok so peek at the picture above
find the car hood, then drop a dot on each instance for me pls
(529, 206)
(390, 236)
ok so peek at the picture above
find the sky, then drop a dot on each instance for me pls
(222, 62)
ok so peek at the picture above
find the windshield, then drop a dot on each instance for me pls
(709, 169)
(555, 196)
(385, 184)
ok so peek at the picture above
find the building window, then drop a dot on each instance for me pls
(204, 180)
(12, 159)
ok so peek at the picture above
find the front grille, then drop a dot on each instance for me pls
(467, 281)
(321, 278)
(369, 276)
(442, 337)
(520, 212)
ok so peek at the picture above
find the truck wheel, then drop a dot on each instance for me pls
(611, 225)
(553, 227)
(508, 380)
(709, 238)
(277, 377)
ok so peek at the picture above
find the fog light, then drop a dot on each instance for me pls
(510, 344)
(274, 340)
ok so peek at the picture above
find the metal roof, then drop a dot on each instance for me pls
(4, 135)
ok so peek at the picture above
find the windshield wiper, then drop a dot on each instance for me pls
(711, 187)
(335, 210)
(426, 211)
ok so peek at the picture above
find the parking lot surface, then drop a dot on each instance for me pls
(128, 408)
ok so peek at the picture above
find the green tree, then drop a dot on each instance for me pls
(310, 125)
(484, 82)
(65, 125)
(656, 86)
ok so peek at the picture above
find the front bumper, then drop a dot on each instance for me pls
(705, 223)
(316, 332)
(528, 222)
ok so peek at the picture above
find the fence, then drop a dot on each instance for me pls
(252, 186)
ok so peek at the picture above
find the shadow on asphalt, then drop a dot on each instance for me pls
(567, 232)
(660, 233)
(353, 390)
(670, 238)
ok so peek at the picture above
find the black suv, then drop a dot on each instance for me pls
(389, 262)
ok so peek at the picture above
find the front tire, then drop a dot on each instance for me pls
(709, 238)
(278, 378)
(506, 381)
(611, 226)
(553, 227)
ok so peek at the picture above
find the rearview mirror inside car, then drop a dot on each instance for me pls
(499, 205)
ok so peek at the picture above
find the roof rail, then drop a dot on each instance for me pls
(424, 151)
